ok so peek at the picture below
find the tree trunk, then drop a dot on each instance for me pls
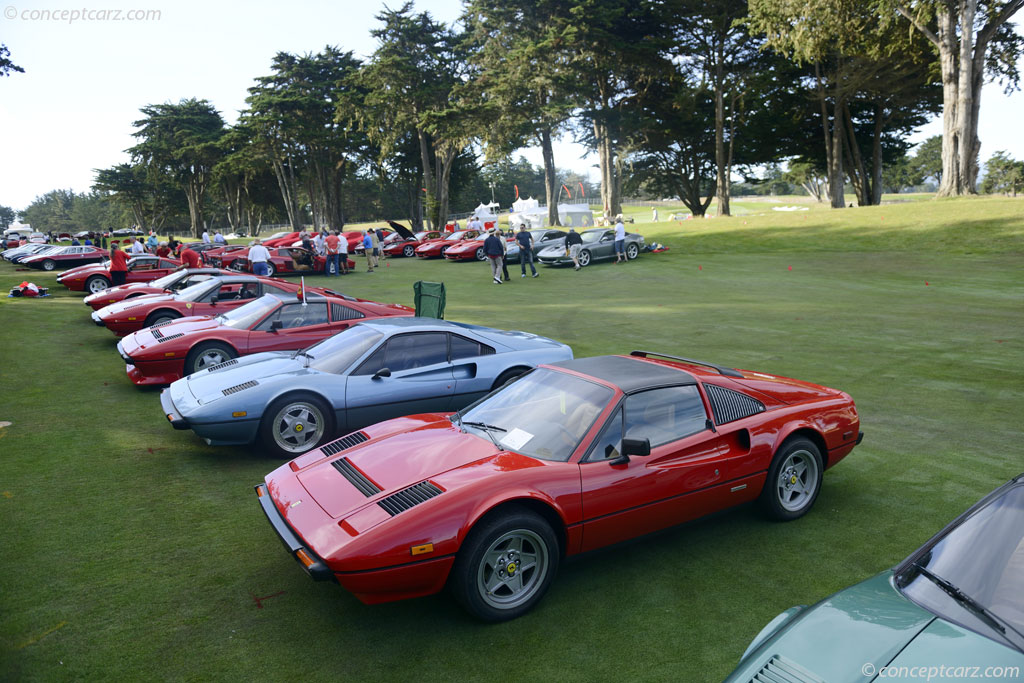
(610, 199)
(721, 157)
(965, 98)
(862, 185)
(428, 179)
(446, 158)
(285, 174)
(835, 175)
(876, 158)
(549, 175)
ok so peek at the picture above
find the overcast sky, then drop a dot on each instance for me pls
(87, 76)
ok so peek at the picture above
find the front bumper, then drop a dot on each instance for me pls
(172, 414)
(311, 563)
(96, 319)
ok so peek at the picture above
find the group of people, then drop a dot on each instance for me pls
(496, 247)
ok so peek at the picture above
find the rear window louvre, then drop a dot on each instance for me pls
(729, 405)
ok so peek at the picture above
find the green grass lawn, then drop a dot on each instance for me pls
(131, 551)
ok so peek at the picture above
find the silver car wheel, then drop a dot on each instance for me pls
(796, 484)
(298, 427)
(512, 569)
(97, 284)
(584, 258)
(632, 251)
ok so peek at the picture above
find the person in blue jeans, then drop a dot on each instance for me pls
(525, 240)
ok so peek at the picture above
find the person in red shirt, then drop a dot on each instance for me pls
(118, 265)
(163, 251)
(189, 259)
(333, 254)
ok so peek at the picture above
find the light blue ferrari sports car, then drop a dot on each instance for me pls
(292, 401)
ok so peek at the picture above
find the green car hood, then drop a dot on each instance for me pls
(857, 630)
(966, 652)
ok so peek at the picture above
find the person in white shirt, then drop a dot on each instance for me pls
(318, 244)
(620, 239)
(137, 247)
(206, 237)
(259, 255)
(219, 238)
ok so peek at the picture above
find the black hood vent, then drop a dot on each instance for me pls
(168, 337)
(410, 497)
(356, 478)
(344, 443)
(221, 366)
(729, 405)
(240, 387)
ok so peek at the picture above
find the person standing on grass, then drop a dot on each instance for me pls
(375, 242)
(189, 259)
(379, 255)
(342, 252)
(152, 242)
(219, 238)
(206, 236)
(138, 247)
(525, 240)
(331, 249)
(259, 256)
(118, 265)
(504, 253)
(368, 250)
(574, 242)
(318, 244)
(163, 251)
(494, 253)
(620, 239)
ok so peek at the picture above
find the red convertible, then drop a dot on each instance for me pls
(160, 355)
(96, 277)
(570, 457)
(437, 247)
(209, 297)
(287, 261)
(174, 281)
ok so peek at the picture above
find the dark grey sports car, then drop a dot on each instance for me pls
(598, 244)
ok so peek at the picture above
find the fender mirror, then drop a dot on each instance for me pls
(383, 372)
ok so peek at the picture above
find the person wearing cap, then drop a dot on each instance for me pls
(525, 240)
(620, 239)
(574, 243)
(259, 256)
(494, 253)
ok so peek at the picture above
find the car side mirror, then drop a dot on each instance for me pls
(276, 325)
(636, 446)
(383, 372)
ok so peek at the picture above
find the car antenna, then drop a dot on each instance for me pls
(302, 290)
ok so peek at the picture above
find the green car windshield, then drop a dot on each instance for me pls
(983, 557)
(543, 414)
(336, 354)
(244, 317)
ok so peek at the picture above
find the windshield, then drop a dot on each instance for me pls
(592, 235)
(543, 414)
(244, 317)
(455, 236)
(166, 281)
(983, 557)
(196, 291)
(335, 354)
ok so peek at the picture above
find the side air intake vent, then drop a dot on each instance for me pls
(410, 497)
(781, 670)
(221, 366)
(345, 442)
(729, 405)
(356, 478)
(240, 387)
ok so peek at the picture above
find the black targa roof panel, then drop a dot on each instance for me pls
(629, 374)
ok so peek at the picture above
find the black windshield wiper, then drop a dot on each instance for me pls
(969, 603)
(487, 429)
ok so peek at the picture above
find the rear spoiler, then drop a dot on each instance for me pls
(722, 370)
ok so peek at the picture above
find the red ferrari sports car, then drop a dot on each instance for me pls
(96, 277)
(222, 257)
(65, 257)
(437, 247)
(160, 355)
(281, 239)
(570, 457)
(209, 297)
(174, 281)
(288, 261)
(469, 249)
(407, 247)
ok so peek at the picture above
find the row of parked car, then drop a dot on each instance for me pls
(430, 453)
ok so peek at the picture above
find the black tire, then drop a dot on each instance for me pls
(514, 590)
(443, 250)
(409, 251)
(584, 258)
(203, 356)
(507, 376)
(632, 251)
(49, 264)
(794, 480)
(480, 255)
(160, 317)
(96, 284)
(295, 424)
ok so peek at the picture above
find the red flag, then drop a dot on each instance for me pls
(517, 191)
(567, 191)
(582, 193)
